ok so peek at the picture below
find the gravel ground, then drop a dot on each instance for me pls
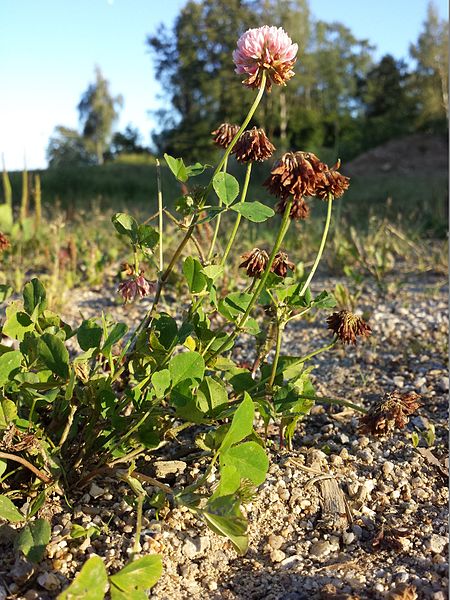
(389, 543)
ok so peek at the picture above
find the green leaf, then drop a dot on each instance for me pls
(54, 354)
(148, 236)
(234, 305)
(36, 504)
(224, 517)
(177, 166)
(211, 213)
(241, 425)
(8, 511)
(197, 169)
(126, 225)
(254, 211)
(8, 412)
(89, 584)
(186, 365)
(78, 531)
(18, 323)
(195, 277)
(230, 480)
(213, 271)
(161, 382)
(137, 576)
(6, 217)
(210, 394)
(324, 300)
(89, 334)
(34, 297)
(226, 187)
(34, 538)
(5, 291)
(117, 594)
(9, 362)
(115, 335)
(249, 460)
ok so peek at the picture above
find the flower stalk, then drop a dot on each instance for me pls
(321, 247)
(239, 216)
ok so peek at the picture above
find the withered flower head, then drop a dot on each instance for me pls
(391, 412)
(332, 182)
(281, 264)
(4, 242)
(255, 262)
(137, 286)
(224, 134)
(299, 208)
(347, 326)
(295, 174)
(253, 145)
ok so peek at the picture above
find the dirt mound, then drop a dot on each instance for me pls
(404, 156)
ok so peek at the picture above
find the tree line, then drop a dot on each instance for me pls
(341, 98)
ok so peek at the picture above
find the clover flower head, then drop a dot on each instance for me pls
(135, 287)
(253, 146)
(224, 134)
(391, 412)
(4, 242)
(255, 262)
(265, 49)
(281, 264)
(295, 174)
(346, 325)
(332, 183)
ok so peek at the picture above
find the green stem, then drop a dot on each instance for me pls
(338, 401)
(239, 216)
(321, 247)
(146, 321)
(219, 217)
(160, 214)
(247, 119)
(280, 329)
(285, 222)
(299, 361)
(137, 542)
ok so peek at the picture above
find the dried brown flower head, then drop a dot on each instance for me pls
(253, 145)
(295, 174)
(390, 538)
(332, 183)
(4, 242)
(299, 208)
(281, 264)
(403, 591)
(255, 262)
(347, 326)
(224, 134)
(390, 413)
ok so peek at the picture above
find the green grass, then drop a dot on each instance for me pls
(415, 202)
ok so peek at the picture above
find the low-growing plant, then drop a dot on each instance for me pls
(79, 403)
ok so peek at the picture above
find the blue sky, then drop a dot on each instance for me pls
(48, 50)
